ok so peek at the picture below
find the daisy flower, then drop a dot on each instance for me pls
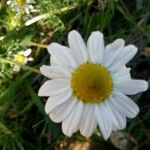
(89, 84)
(22, 57)
(21, 5)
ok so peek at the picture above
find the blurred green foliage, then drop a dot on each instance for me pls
(23, 122)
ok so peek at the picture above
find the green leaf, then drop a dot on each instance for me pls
(35, 98)
(13, 88)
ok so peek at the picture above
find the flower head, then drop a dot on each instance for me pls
(21, 5)
(22, 57)
(89, 83)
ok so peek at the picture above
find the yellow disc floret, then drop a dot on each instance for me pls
(20, 58)
(21, 2)
(91, 83)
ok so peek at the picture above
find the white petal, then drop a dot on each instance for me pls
(124, 57)
(103, 121)
(122, 74)
(54, 87)
(62, 54)
(27, 52)
(126, 101)
(30, 59)
(112, 51)
(112, 118)
(30, 1)
(54, 61)
(70, 124)
(119, 120)
(88, 121)
(124, 105)
(130, 87)
(8, 2)
(55, 72)
(77, 46)
(63, 111)
(16, 68)
(95, 46)
(30, 7)
(55, 101)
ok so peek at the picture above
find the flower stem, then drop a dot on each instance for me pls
(22, 65)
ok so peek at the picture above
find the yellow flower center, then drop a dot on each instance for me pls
(20, 58)
(21, 2)
(91, 83)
